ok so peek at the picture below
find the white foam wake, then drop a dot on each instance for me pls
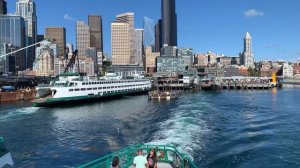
(183, 130)
(17, 112)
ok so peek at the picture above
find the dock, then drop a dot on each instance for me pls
(164, 95)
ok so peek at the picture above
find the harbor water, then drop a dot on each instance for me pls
(249, 129)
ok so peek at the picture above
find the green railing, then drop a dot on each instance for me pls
(169, 154)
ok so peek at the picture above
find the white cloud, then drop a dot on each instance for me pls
(67, 17)
(253, 13)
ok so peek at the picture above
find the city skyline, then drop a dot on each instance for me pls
(203, 26)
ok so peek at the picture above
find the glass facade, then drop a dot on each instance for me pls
(170, 64)
(12, 33)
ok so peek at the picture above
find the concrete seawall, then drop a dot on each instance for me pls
(25, 94)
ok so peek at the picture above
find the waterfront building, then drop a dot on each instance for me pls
(92, 53)
(87, 66)
(121, 35)
(69, 50)
(187, 54)
(57, 35)
(149, 32)
(169, 22)
(214, 71)
(127, 70)
(170, 64)
(96, 34)
(12, 37)
(207, 59)
(287, 71)
(228, 60)
(59, 65)
(82, 37)
(27, 10)
(138, 36)
(44, 60)
(169, 51)
(99, 62)
(296, 71)
(158, 36)
(120, 40)
(150, 59)
(247, 58)
(3, 7)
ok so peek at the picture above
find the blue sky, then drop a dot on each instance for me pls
(204, 25)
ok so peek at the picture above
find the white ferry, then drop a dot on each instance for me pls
(72, 87)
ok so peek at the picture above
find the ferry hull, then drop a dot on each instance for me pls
(87, 98)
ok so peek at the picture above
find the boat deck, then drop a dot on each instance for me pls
(161, 165)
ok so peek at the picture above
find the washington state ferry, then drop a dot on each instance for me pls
(71, 87)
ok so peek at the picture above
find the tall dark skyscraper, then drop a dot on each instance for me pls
(3, 7)
(169, 22)
(96, 40)
(158, 36)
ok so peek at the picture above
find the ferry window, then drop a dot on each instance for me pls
(94, 88)
(89, 88)
(76, 89)
(76, 84)
(71, 90)
(93, 83)
(101, 82)
(90, 83)
(72, 83)
(108, 87)
(104, 87)
(99, 87)
(83, 89)
(104, 92)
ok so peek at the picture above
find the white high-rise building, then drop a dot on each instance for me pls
(82, 38)
(247, 58)
(44, 61)
(27, 10)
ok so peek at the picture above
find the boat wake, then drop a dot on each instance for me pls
(185, 129)
(9, 114)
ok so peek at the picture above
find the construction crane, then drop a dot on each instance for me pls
(72, 61)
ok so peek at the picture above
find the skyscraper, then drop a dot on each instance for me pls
(82, 37)
(138, 46)
(57, 35)
(12, 35)
(122, 36)
(149, 32)
(27, 10)
(247, 58)
(158, 36)
(169, 22)
(120, 43)
(3, 7)
(129, 18)
(96, 36)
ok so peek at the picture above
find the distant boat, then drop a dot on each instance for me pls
(71, 87)
(5, 156)
(167, 157)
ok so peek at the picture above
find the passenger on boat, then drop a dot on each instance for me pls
(115, 163)
(160, 154)
(140, 161)
(152, 159)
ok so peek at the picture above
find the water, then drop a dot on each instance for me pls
(228, 129)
